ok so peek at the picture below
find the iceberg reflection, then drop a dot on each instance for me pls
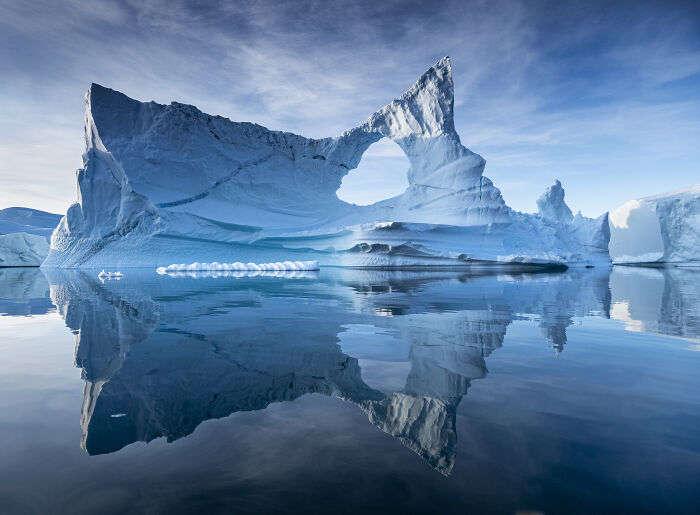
(161, 356)
(23, 291)
(660, 300)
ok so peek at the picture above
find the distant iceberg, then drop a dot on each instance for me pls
(27, 220)
(660, 229)
(22, 249)
(166, 183)
(24, 236)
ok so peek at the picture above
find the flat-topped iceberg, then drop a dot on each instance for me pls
(162, 183)
(660, 229)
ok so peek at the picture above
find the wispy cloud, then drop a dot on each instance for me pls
(577, 90)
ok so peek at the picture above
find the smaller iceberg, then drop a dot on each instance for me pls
(660, 229)
(22, 249)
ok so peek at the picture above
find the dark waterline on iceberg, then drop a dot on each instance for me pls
(350, 390)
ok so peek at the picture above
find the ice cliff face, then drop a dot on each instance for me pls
(168, 183)
(22, 249)
(664, 228)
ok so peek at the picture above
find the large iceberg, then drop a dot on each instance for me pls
(169, 183)
(660, 229)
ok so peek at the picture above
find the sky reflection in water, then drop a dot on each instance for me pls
(440, 390)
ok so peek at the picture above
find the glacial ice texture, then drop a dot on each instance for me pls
(166, 183)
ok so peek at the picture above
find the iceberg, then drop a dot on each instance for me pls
(166, 183)
(22, 249)
(660, 229)
(106, 276)
(27, 220)
(21, 233)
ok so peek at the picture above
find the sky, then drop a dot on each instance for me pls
(604, 96)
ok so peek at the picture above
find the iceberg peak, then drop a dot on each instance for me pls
(551, 204)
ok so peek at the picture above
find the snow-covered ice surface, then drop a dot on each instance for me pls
(660, 229)
(22, 249)
(166, 183)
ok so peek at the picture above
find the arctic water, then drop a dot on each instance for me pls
(348, 391)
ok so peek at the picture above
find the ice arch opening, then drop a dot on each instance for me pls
(381, 174)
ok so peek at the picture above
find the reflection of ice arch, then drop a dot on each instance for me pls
(161, 356)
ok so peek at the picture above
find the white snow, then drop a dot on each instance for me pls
(664, 228)
(167, 182)
(22, 249)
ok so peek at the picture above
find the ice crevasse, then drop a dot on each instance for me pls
(163, 184)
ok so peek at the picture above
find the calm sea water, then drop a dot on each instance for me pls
(350, 391)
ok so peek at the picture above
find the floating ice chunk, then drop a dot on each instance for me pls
(238, 274)
(284, 266)
(108, 276)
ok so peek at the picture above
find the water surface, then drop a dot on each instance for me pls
(346, 391)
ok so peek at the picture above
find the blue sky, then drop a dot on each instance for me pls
(602, 95)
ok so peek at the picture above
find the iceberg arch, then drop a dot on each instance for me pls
(169, 183)
(380, 175)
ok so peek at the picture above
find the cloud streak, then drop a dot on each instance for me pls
(585, 92)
